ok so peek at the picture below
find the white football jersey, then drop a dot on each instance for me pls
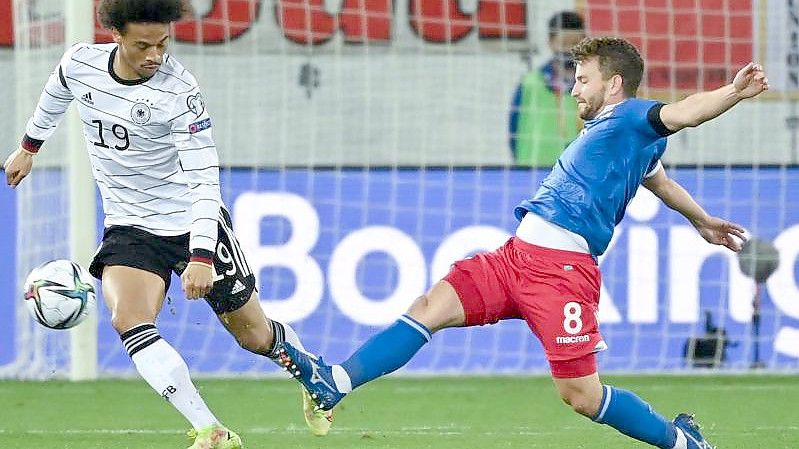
(149, 142)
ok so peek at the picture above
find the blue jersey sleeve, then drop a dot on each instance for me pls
(644, 116)
(654, 128)
(652, 166)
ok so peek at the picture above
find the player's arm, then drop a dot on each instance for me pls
(53, 103)
(712, 229)
(191, 129)
(703, 106)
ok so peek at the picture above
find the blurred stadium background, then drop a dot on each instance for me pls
(365, 148)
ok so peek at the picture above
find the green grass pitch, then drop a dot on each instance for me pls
(737, 412)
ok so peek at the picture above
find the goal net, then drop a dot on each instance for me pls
(366, 145)
(36, 214)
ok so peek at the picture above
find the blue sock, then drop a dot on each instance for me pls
(387, 351)
(630, 415)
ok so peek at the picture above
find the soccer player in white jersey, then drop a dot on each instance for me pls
(149, 139)
(547, 274)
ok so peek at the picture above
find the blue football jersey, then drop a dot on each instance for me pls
(598, 174)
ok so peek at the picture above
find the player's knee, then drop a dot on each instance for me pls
(581, 403)
(118, 323)
(123, 322)
(438, 309)
(425, 312)
(585, 407)
(420, 307)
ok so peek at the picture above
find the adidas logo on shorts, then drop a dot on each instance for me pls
(238, 287)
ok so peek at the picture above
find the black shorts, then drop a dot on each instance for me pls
(133, 247)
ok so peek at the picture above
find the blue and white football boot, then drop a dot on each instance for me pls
(312, 373)
(690, 429)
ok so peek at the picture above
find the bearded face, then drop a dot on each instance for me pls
(589, 89)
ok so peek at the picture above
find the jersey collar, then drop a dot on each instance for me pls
(607, 110)
(603, 114)
(116, 77)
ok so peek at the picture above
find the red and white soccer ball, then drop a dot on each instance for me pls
(59, 294)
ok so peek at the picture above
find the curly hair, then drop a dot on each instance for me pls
(616, 57)
(116, 14)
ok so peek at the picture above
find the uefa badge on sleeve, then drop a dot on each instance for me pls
(202, 125)
(196, 104)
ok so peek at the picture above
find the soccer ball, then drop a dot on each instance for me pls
(59, 294)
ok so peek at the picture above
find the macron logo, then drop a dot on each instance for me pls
(572, 339)
(87, 98)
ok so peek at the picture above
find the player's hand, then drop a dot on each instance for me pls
(198, 278)
(17, 166)
(721, 232)
(750, 80)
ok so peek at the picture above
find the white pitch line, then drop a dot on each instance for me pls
(421, 430)
(659, 387)
(769, 387)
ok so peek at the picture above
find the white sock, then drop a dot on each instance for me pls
(682, 442)
(166, 372)
(342, 379)
(283, 332)
(291, 336)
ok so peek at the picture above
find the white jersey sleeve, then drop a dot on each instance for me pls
(191, 130)
(53, 103)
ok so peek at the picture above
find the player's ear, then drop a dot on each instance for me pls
(616, 85)
(116, 35)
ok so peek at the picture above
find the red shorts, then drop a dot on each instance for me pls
(556, 292)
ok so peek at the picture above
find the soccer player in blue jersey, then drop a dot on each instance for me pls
(547, 273)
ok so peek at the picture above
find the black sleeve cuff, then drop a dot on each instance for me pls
(653, 116)
(30, 144)
(202, 255)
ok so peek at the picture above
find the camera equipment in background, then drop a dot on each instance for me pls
(758, 259)
(709, 350)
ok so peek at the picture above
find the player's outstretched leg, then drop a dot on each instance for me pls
(235, 300)
(384, 353)
(214, 437)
